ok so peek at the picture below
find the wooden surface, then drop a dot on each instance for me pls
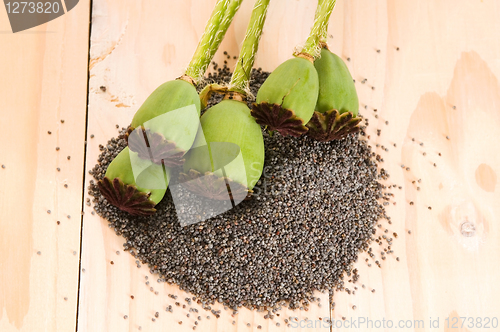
(431, 70)
(44, 81)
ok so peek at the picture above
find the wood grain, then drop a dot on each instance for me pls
(442, 82)
(136, 46)
(431, 70)
(44, 82)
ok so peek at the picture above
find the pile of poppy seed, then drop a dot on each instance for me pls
(315, 208)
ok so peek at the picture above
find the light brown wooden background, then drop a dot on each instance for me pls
(434, 79)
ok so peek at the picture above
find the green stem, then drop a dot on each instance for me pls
(216, 28)
(241, 74)
(320, 28)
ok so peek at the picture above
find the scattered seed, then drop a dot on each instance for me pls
(303, 203)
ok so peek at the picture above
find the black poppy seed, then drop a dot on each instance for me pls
(58, 222)
(49, 132)
(429, 207)
(125, 317)
(65, 299)
(397, 48)
(69, 157)
(65, 185)
(92, 136)
(292, 205)
(434, 165)
(38, 253)
(3, 166)
(58, 169)
(103, 88)
(409, 231)
(57, 148)
(62, 120)
(49, 212)
(349, 59)
(447, 137)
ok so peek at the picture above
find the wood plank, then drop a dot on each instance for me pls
(44, 81)
(136, 46)
(442, 82)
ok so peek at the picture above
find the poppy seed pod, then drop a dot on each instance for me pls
(166, 123)
(336, 110)
(286, 100)
(134, 185)
(228, 152)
